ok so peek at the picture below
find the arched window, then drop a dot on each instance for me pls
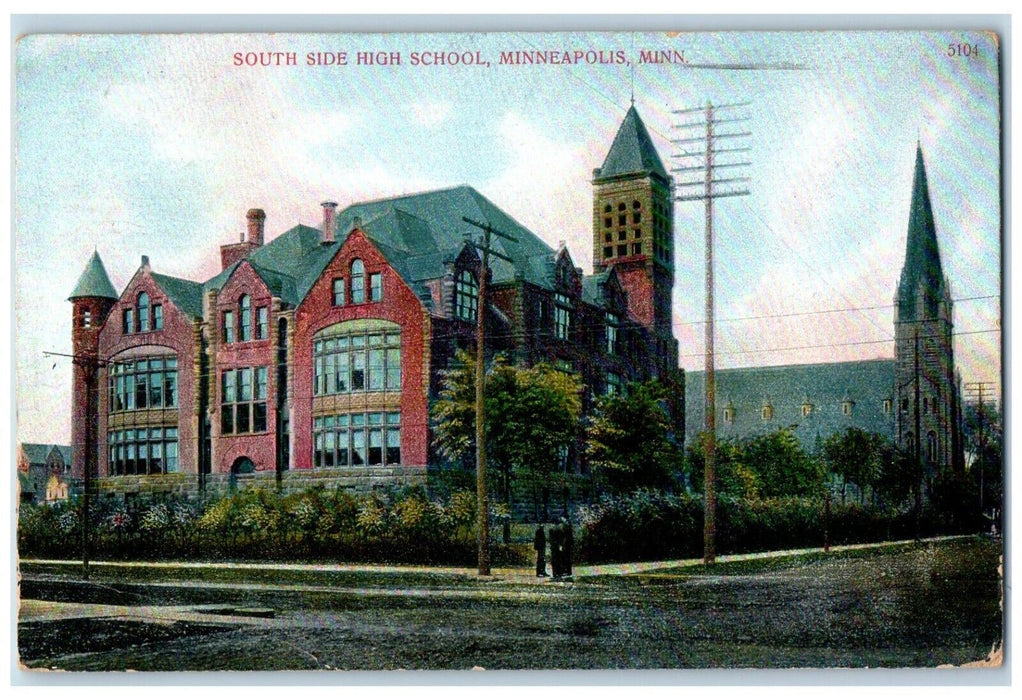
(245, 318)
(143, 312)
(358, 282)
(931, 447)
(466, 296)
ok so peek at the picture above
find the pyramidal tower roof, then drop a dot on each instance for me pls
(94, 281)
(632, 152)
(922, 270)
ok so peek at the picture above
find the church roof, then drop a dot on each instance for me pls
(37, 453)
(632, 152)
(826, 387)
(94, 281)
(922, 269)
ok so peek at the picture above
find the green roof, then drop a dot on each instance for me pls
(865, 383)
(922, 269)
(185, 294)
(37, 453)
(94, 281)
(632, 152)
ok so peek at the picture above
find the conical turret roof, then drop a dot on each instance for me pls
(632, 152)
(94, 281)
(922, 272)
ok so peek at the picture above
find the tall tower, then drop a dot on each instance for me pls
(91, 299)
(926, 394)
(633, 229)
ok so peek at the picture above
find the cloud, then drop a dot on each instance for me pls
(430, 113)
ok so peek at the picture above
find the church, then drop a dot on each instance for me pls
(914, 398)
(313, 357)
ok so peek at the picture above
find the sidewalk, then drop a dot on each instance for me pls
(521, 575)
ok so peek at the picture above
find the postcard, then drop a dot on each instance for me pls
(509, 351)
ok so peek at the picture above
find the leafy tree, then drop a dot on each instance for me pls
(899, 475)
(857, 457)
(531, 417)
(983, 434)
(782, 466)
(733, 477)
(629, 440)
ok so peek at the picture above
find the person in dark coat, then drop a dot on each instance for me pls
(539, 543)
(556, 542)
(568, 540)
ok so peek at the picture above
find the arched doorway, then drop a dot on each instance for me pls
(242, 465)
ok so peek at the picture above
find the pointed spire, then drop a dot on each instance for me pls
(922, 269)
(94, 281)
(632, 152)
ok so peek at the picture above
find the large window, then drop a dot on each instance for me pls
(356, 439)
(611, 335)
(150, 450)
(128, 321)
(357, 360)
(466, 296)
(562, 316)
(149, 382)
(358, 281)
(375, 286)
(143, 312)
(243, 400)
(228, 327)
(245, 318)
(262, 323)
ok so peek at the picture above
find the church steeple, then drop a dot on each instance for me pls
(922, 272)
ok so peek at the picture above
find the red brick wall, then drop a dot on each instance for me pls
(177, 336)
(399, 305)
(85, 341)
(259, 447)
(639, 287)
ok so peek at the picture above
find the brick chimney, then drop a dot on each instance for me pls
(256, 219)
(329, 221)
(233, 252)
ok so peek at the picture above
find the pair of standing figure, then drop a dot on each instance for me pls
(561, 541)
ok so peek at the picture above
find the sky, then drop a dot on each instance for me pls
(159, 144)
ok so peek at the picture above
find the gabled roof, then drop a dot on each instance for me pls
(922, 269)
(593, 288)
(37, 453)
(185, 294)
(94, 281)
(429, 225)
(632, 152)
(866, 383)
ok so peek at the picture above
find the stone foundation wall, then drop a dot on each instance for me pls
(357, 480)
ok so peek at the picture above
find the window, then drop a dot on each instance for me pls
(729, 414)
(356, 362)
(622, 250)
(149, 450)
(767, 413)
(245, 318)
(608, 252)
(926, 405)
(613, 383)
(128, 321)
(887, 405)
(846, 407)
(356, 439)
(228, 327)
(142, 383)
(636, 217)
(338, 291)
(157, 317)
(611, 333)
(636, 249)
(807, 409)
(466, 296)
(262, 323)
(243, 400)
(143, 313)
(931, 446)
(375, 286)
(86, 318)
(904, 405)
(358, 282)
(562, 316)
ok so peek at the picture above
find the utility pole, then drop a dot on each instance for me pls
(90, 365)
(976, 390)
(481, 499)
(709, 193)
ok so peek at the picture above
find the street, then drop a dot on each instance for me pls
(916, 606)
